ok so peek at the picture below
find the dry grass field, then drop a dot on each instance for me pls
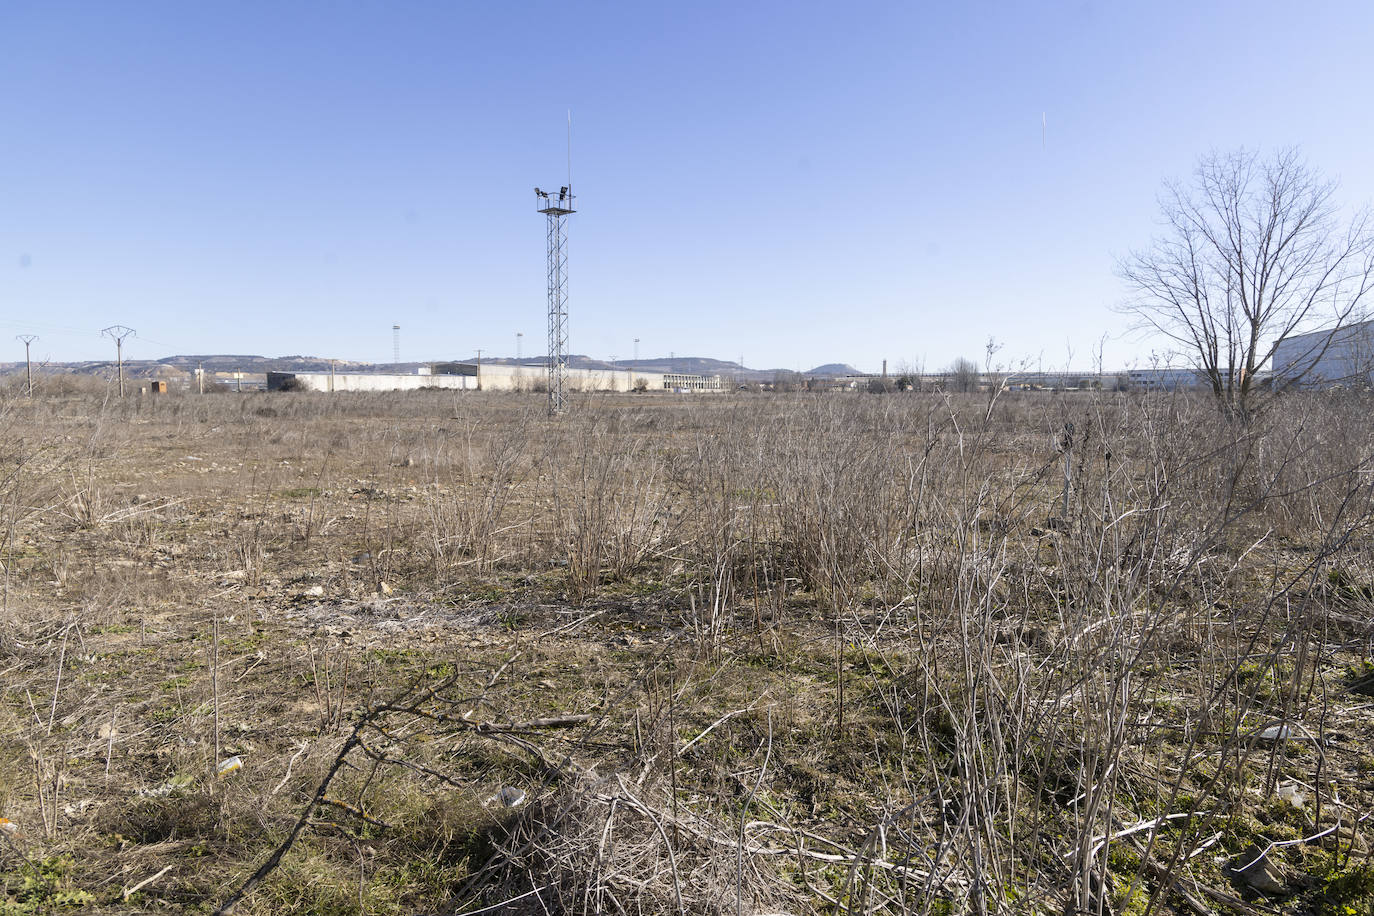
(427, 653)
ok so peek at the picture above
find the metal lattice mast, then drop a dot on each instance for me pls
(557, 212)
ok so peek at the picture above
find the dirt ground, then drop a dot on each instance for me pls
(426, 653)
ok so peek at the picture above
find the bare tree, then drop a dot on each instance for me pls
(909, 375)
(1254, 253)
(963, 375)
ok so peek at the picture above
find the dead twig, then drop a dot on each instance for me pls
(130, 891)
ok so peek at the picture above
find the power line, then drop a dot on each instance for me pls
(52, 328)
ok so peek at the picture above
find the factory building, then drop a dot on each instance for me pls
(361, 381)
(1326, 359)
(493, 377)
(1165, 379)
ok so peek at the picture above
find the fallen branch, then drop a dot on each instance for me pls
(567, 721)
(289, 764)
(712, 726)
(356, 811)
(1098, 841)
(130, 891)
(275, 858)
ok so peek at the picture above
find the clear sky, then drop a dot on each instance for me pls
(795, 182)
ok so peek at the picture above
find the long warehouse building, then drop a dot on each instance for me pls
(1325, 359)
(493, 377)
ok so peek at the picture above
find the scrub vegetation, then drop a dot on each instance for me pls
(1087, 652)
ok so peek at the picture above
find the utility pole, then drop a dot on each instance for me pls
(331, 376)
(28, 363)
(479, 369)
(118, 332)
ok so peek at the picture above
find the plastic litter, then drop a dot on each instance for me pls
(231, 765)
(1292, 793)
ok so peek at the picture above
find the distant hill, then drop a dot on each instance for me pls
(688, 364)
(212, 363)
(833, 369)
(695, 365)
(253, 364)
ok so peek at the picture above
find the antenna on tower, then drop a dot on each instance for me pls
(396, 347)
(557, 212)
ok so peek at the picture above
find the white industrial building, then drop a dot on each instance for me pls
(493, 377)
(1321, 359)
(1165, 379)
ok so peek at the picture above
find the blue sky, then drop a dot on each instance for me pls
(794, 182)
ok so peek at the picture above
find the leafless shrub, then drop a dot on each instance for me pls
(613, 845)
(468, 524)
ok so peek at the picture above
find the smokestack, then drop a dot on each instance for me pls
(884, 368)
